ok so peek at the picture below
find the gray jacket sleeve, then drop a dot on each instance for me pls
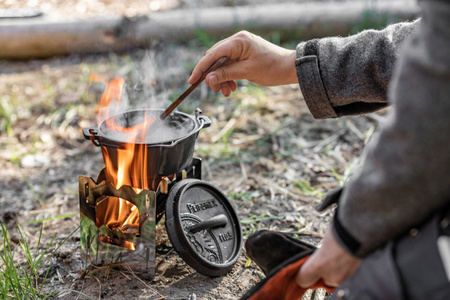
(404, 178)
(344, 76)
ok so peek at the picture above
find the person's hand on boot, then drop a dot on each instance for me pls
(248, 57)
(330, 262)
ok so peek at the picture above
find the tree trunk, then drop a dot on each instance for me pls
(45, 36)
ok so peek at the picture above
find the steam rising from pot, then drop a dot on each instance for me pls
(118, 115)
(137, 123)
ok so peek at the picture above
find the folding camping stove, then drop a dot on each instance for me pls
(118, 225)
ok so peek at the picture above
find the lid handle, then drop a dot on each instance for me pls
(216, 221)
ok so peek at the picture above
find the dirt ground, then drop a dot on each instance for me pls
(263, 149)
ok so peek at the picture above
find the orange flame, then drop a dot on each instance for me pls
(129, 167)
(117, 213)
(111, 96)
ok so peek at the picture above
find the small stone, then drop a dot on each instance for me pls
(192, 296)
(34, 161)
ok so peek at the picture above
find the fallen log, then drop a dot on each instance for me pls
(46, 36)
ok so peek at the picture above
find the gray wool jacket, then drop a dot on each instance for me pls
(405, 176)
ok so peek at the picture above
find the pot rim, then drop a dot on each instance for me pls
(198, 119)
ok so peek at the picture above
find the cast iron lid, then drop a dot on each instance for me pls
(203, 227)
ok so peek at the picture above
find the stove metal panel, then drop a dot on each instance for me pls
(103, 246)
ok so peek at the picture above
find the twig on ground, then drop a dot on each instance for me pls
(246, 139)
(272, 193)
(224, 130)
(100, 286)
(163, 258)
(369, 134)
(269, 131)
(376, 117)
(354, 129)
(328, 140)
(243, 169)
(155, 292)
(271, 183)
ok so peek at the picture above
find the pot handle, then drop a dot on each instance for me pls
(200, 117)
(91, 133)
(206, 121)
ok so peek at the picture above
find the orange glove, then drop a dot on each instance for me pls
(282, 285)
(280, 257)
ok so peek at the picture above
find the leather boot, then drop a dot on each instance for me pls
(269, 249)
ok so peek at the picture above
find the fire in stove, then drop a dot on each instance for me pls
(117, 225)
(120, 217)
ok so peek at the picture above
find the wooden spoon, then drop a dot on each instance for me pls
(177, 102)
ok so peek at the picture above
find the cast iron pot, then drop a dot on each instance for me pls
(165, 157)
